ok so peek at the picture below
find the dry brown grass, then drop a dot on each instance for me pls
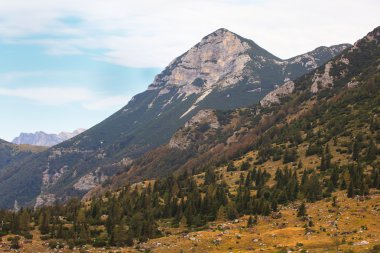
(272, 235)
(356, 221)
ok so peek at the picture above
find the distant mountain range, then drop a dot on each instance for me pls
(223, 71)
(41, 138)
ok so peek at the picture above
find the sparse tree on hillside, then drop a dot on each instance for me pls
(301, 212)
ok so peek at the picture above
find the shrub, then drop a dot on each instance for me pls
(15, 242)
(45, 237)
(375, 249)
(56, 244)
(99, 242)
(28, 236)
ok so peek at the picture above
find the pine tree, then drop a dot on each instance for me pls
(244, 166)
(44, 221)
(231, 167)
(334, 177)
(274, 205)
(375, 179)
(313, 188)
(323, 163)
(250, 222)
(326, 159)
(355, 150)
(343, 184)
(210, 177)
(301, 212)
(120, 235)
(221, 214)
(350, 190)
(371, 151)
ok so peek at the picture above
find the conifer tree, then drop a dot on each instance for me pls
(334, 177)
(44, 221)
(120, 235)
(301, 212)
(375, 178)
(371, 151)
(313, 188)
(350, 190)
(231, 167)
(355, 150)
(250, 222)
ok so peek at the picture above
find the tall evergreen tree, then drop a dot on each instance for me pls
(301, 212)
(371, 151)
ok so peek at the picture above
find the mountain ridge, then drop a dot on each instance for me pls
(149, 120)
(40, 138)
(191, 149)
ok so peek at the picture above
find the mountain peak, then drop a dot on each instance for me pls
(41, 138)
(221, 32)
(217, 60)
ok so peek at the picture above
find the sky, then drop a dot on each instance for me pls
(68, 64)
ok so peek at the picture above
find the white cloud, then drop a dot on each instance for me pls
(106, 103)
(151, 33)
(58, 96)
(49, 95)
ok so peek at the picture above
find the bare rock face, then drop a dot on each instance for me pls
(322, 80)
(45, 199)
(223, 60)
(273, 97)
(183, 138)
(219, 59)
(90, 181)
(207, 116)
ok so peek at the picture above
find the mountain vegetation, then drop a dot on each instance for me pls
(299, 173)
(10, 153)
(224, 71)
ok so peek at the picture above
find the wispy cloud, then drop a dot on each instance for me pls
(151, 33)
(58, 96)
(107, 102)
(49, 95)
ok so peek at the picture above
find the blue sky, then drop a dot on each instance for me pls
(57, 93)
(67, 64)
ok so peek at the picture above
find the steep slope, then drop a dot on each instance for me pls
(10, 153)
(43, 139)
(299, 172)
(224, 71)
(350, 80)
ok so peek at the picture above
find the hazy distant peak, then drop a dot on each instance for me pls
(41, 138)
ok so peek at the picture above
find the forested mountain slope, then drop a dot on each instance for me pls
(322, 100)
(299, 172)
(224, 71)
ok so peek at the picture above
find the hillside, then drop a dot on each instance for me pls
(10, 153)
(270, 234)
(298, 172)
(328, 108)
(224, 71)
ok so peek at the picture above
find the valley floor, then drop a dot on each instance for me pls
(356, 222)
